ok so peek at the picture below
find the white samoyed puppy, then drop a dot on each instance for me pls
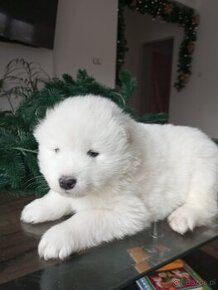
(116, 176)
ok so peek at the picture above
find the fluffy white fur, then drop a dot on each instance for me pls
(143, 173)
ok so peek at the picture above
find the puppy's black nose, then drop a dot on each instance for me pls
(67, 182)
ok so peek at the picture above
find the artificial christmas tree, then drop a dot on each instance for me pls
(18, 149)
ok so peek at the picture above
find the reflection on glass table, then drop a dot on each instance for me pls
(116, 264)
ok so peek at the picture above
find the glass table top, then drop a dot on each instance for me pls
(113, 265)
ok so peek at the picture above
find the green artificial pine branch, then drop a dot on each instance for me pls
(19, 169)
(128, 84)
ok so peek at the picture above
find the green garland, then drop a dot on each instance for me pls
(19, 170)
(169, 11)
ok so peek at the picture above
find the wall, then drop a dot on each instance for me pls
(197, 104)
(191, 3)
(140, 29)
(9, 51)
(86, 30)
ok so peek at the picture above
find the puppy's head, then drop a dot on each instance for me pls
(83, 145)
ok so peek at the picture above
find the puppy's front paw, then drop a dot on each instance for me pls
(34, 212)
(182, 219)
(56, 243)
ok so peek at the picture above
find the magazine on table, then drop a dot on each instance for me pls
(177, 275)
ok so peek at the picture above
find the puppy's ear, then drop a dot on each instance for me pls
(129, 126)
(38, 132)
(131, 131)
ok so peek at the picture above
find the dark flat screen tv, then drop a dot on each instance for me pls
(30, 22)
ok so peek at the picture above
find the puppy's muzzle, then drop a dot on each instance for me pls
(67, 182)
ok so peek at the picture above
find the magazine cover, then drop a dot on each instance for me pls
(176, 275)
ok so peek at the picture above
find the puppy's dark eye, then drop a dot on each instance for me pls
(92, 153)
(56, 150)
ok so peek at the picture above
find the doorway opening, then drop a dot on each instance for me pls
(156, 72)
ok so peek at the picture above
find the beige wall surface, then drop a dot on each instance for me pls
(197, 104)
(86, 33)
(9, 51)
(86, 38)
(140, 30)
